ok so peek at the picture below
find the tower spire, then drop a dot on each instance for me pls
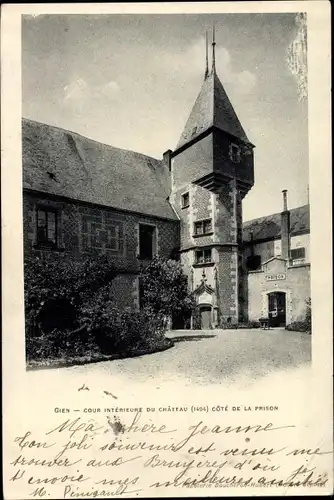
(206, 74)
(213, 49)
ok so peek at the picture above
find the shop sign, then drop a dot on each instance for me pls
(275, 277)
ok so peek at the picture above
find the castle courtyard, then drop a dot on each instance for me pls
(243, 359)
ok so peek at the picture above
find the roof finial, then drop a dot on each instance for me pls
(206, 74)
(213, 49)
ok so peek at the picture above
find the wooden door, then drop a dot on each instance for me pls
(206, 318)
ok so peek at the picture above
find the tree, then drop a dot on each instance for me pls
(164, 288)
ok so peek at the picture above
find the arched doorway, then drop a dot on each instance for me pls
(277, 308)
(205, 317)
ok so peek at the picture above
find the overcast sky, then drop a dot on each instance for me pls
(131, 80)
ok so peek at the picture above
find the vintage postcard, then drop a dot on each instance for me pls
(166, 243)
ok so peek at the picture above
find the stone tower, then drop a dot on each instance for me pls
(211, 172)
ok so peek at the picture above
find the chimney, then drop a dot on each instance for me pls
(285, 227)
(167, 158)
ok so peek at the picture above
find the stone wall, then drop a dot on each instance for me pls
(271, 248)
(296, 286)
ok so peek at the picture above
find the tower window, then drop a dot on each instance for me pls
(146, 241)
(203, 256)
(185, 200)
(203, 227)
(46, 227)
(235, 153)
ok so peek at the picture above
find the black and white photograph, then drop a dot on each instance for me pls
(166, 243)
(165, 193)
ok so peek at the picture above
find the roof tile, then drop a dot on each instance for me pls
(64, 163)
(269, 227)
(212, 108)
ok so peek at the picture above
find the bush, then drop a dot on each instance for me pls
(55, 289)
(164, 288)
(60, 344)
(130, 332)
(70, 313)
(298, 326)
(238, 326)
(115, 330)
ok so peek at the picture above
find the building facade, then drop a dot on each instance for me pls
(81, 197)
(277, 255)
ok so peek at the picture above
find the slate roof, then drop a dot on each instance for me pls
(64, 163)
(212, 108)
(269, 227)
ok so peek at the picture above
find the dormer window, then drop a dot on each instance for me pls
(234, 153)
(185, 201)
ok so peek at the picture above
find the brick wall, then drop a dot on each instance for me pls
(186, 260)
(224, 207)
(185, 214)
(201, 206)
(85, 230)
(227, 283)
(225, 215)
(124, 291)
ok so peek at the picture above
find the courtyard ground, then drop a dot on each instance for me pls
(200, 360)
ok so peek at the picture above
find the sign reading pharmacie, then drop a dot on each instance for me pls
(275, 277)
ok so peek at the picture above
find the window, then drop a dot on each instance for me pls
(235, 153)
(254, 262)
(46, 227)
(203, 227)
(297, 255)
(185, 200)
(203, 256)
(146, 241)
(113, 238)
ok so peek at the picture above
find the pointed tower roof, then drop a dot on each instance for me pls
(212, 108)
